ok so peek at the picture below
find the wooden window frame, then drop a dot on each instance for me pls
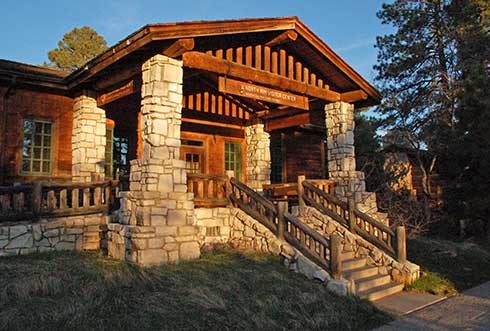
(31, 153)
(237, 158)
(109, 164)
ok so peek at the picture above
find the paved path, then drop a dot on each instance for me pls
(469, 310)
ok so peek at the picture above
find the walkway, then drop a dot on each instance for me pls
(469, 310)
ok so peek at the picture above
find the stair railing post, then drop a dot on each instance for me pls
(228, 190)
(37, 191)
(351, 203)
(401, 244)
(301, 201)
(282, 208)
(336, 255)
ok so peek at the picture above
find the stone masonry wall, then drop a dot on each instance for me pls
(156, 221)
(88, 139)
(258, 167)
(402, 272)
(54, 234)
(342, 159)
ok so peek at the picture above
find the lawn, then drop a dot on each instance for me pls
(447, 266)
(224, 290)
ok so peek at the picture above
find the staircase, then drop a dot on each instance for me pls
(369, 283)
(324, 249)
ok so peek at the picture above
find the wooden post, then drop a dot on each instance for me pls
(336, 255)
(37, 191)
(230, 174)
(352, 216)
(301, 201)
(282, 207)
(401, 244)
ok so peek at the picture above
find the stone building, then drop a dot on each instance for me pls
(173, 101)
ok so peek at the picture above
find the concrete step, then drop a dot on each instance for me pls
(353, 263)
(347, 255)
(364, 284)
(382, 291)
(362, 272)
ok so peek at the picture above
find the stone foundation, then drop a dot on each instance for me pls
(54, 234)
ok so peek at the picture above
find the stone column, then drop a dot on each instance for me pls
(258, 166)
(158, 220)
(341, 154)
(88, 139)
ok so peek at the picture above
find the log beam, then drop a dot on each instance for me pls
(116, 77)
(285, 37)
(179, 47)
(353, 96)
(127, 89)
(287, 122)
(197, 60)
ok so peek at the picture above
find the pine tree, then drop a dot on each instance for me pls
(76, 48)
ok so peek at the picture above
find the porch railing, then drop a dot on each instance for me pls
(23, 202)
(209, 190)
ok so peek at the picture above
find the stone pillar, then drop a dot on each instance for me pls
(258, 167)
(158, 220)
(341, 154)
(88, 139)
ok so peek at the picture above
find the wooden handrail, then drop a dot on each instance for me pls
(209, 189)
(254, 204)
(356, 221)
(286, 226)
(53, 200)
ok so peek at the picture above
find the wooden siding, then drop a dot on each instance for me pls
(43, 106)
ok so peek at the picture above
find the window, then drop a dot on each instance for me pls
(37, 146)
(120, 155)
(233, 158)
(108, 168)
(276, 148)
(193, 163)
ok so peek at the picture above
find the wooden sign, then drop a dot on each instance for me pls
(253, 91)
(127, 89)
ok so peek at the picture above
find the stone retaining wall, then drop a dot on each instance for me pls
(401, 272)
(60, 234)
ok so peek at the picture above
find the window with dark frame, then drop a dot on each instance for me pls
(233, 158)
(37, 147)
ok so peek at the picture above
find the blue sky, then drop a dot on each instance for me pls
(32, 27)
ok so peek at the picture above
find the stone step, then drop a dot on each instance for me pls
(364, 284)
(362, 272)
(382, 291)
(354, 263)
(347, 255)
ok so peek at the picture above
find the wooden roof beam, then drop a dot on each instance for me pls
(116, 77)
(283, 38)
(210, 63)
(179, 47)
(353, 96)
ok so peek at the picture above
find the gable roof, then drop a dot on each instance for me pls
(341, 75)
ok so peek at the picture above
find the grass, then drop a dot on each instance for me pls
(447, 266)
(224, 290)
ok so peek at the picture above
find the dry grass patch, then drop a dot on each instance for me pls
(224, 290)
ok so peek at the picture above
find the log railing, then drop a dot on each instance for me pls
(16, 202)
(39, 199)
(392, 241)
(322, 251)
(289, 191)
(254, 204)
(209, 190)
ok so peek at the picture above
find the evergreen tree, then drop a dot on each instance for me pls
(76, 48)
